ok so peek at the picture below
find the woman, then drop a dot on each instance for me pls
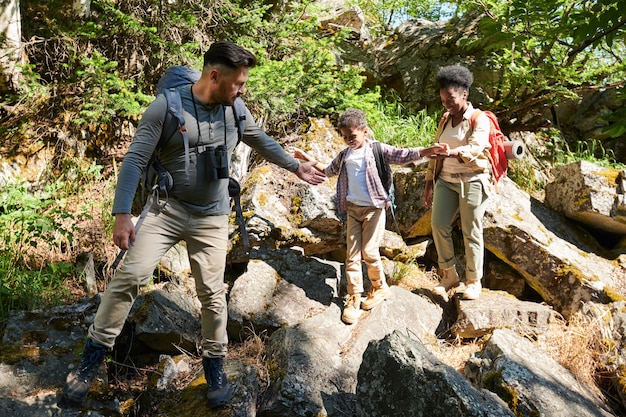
(459, 182)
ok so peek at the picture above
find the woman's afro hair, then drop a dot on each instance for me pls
(454, 76)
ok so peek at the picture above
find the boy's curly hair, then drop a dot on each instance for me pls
(352, 119)
(454, 76)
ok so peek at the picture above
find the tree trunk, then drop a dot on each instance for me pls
(11, 53)
(81, 8)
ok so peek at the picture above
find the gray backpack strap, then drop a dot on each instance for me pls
(234, 191)
(239, 113)
(175, 108)
(154, 196)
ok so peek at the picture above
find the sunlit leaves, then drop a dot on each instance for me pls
(548, 49)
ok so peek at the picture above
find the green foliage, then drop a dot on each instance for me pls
(31, 88)
(385, 14)
(75, 175)
(23, 289)
(299, 76)
(591, 151)
(107, 207)
(522, 172)
(307, 82)
(33, 223)
(392, 124)
(29, 219)
(548, 50)
(557, 152)
(617, 120)
(105, 94)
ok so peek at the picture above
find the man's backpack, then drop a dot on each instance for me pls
(497, 153)
(173, 78)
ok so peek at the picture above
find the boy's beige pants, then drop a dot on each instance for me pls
(365, 229)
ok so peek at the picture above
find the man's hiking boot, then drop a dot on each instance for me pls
(352, 309)
(472, 291)
(80, 379)
(449, 280)
(219, 390)
(375, 296)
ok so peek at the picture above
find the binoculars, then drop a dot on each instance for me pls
(216, 162)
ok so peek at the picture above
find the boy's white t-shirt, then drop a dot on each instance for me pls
(357, 186)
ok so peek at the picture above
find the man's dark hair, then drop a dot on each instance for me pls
(454, 76)
(230, 55)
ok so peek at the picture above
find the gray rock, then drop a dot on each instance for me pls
(589, 194)
(280, 288)
(316, 361)
(400, 377)
(529, 380)
(500, 276)
(166, 321)
(555, 258)
(497, 310)
(87, 272)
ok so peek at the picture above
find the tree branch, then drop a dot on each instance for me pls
(571, 54)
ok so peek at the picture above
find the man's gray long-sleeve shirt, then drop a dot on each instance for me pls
(216, 126)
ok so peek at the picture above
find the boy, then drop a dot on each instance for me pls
(363, 198)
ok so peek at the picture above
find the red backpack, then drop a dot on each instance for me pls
(497, 153)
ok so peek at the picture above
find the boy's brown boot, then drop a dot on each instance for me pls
(352, 309)
(375, 296)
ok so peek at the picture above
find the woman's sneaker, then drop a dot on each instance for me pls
(219, 390)
(450, 280)
(472, 291)
(80, 379)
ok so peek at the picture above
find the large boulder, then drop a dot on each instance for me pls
(280, 288)
(557, 259)
(529, 381)
(166, 321)
(399, 377)
(590, 195)
(315, 363)
(497, 309)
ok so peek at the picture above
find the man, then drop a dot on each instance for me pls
(195, 211)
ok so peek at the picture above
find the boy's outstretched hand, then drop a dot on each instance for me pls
(298, 153)
(438, 149)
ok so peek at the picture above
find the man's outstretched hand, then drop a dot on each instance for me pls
(306, 172)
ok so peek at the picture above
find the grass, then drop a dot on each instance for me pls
(23, 289)
(577, 345)
(395, 126)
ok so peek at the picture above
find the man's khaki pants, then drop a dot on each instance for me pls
(206, 238)
(365, 229)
